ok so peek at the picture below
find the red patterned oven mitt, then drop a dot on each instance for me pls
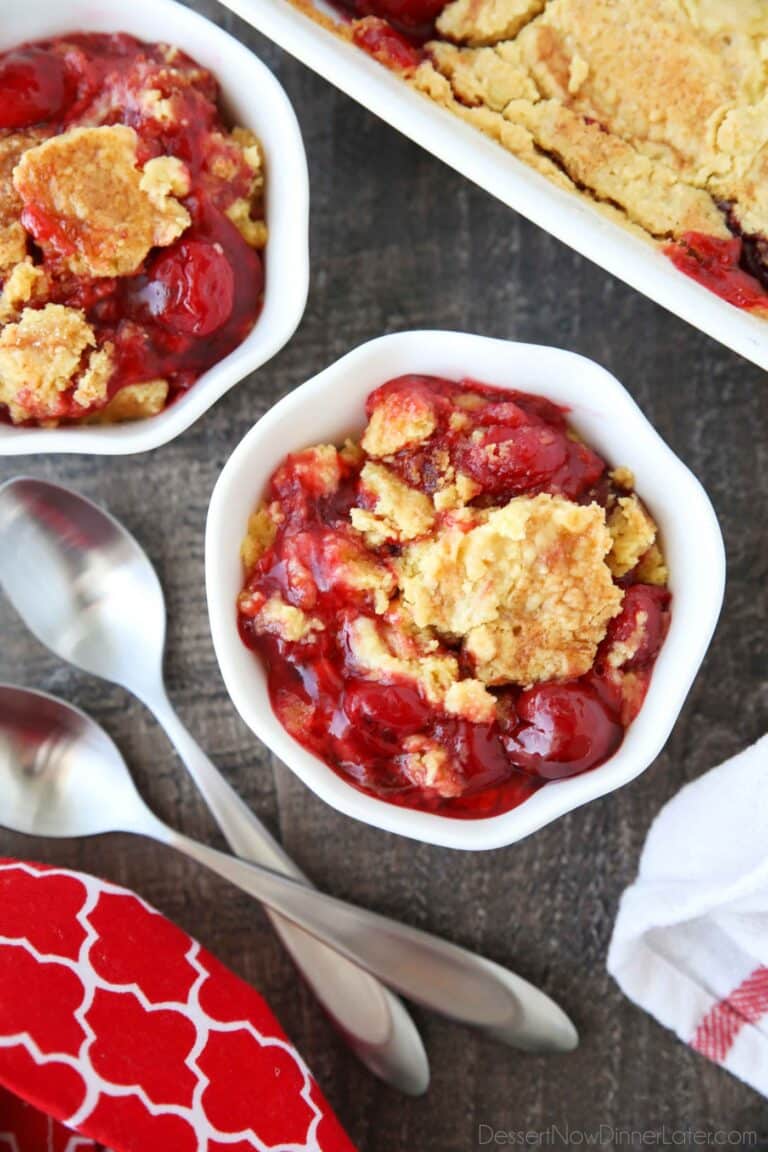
(117, 1030)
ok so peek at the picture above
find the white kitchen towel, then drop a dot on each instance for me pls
(690, 943)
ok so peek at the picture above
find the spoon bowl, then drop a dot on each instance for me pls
(63, 776)
(81, 583)
(60, 774)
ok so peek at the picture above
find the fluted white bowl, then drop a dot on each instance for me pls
(330, 406)
(253, 97)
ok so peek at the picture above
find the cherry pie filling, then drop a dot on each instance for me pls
(459, 608)
(131, 228)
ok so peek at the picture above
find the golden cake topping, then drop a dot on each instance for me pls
(398, 512)
(399, 420)
(527, 588)
(13, 238)
(41, 358)
(104, 211)
(633, 532)
(133, 402)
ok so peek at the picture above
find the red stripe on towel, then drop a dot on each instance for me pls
(717, 1031)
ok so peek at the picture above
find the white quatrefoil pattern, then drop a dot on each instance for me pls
(118, 1024)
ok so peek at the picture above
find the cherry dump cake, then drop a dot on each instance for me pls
(131, 229)
(655, 110)
(459, 607)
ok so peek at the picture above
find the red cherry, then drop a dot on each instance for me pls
(716, 263)
(326, 681)
(478, 748)
(503, 412)
(390, 47)
(191, 288)
(543, 409)
(374, 719)
(508, 459)
(407, 13)
(33, 87)
(396, 708)
(566, 728)
(580, 472)
(652, 604)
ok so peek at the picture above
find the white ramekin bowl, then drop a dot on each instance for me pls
(330, 406)
(252, 97)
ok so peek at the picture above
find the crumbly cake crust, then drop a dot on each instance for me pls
(633, 532)
(277, 616)
(655, 111)
(665, 134)
(262, 529)
(132, 402)
(44, 355)
(428, 765)
(374, 649)
(398, 512)
(526, 588)
(486, 21)
(108, 212)
(397, 422)
(24, 282)
(251, 227)
(13, 238)
(652, 567)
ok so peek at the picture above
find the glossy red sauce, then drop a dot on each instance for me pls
(193, 302)
(392, 31)
(411, 21)
(414, 15)
(356, 724)
(716, 263)
(379, 39)
(36, 85)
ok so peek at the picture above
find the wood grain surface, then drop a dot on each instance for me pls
(400, 241)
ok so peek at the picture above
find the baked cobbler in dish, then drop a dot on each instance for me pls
(458, 607)
(655, 110)
(131, 229)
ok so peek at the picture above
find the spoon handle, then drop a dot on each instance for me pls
(371, 1018)
(441, 976)
(242, 829)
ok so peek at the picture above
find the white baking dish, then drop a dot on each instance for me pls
(253, 97)
(566, 216)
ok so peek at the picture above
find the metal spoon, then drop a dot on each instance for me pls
(87, 590)
(61, 775)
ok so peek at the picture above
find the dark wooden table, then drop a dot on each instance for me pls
(400, 241)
